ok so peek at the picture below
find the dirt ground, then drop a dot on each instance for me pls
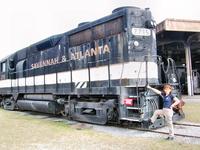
(22, 131)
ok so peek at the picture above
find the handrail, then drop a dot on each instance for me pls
(67, 61)
(33, 72)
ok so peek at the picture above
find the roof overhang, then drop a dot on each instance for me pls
(178, 25)
(178, 31)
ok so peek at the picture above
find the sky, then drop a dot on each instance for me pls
(24, 22)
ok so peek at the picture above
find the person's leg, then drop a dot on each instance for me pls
(168, 113)
(157, 113)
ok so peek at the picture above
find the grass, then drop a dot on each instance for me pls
(192, 111)
(27, 132)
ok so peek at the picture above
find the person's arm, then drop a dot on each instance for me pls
(176, 102)
(154, 90)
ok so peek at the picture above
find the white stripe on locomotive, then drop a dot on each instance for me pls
(131, 70)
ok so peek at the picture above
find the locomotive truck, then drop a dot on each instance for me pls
(95, 73)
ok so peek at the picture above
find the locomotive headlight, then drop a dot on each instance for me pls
(150, 24)
(133, 45)
(154, 23)
(136, 43)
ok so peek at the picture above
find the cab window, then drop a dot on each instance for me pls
(3, 67)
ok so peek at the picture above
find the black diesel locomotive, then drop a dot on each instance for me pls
(94, 73)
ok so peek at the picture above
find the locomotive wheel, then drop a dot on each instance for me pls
(112, 114)
(8, 104)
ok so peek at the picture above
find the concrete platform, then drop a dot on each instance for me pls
(195, 98)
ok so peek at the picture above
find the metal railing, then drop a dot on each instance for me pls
(15, 76)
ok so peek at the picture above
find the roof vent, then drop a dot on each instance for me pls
(122, 8)
(82, 23)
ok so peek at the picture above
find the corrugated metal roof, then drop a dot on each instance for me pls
(179, 25)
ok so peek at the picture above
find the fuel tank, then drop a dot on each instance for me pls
(50, 107)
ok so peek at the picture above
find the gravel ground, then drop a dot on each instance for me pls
(179, 129)
(116, 131)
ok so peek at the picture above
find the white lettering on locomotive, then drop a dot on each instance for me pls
(64, 59)
(141, 31)
(90, 52)
(44, 63)
(74, 56)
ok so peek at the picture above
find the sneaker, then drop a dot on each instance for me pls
(150, 122)
(170, 138)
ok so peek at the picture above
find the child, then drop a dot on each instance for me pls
(167, 111)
